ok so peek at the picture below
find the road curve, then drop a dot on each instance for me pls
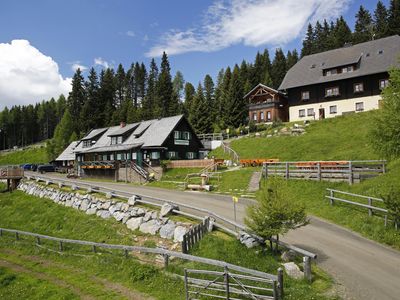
(365, 269)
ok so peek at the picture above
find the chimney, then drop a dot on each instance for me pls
(122, 124)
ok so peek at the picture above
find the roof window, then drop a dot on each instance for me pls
(367, 55)
(380, 51)
(313, 66)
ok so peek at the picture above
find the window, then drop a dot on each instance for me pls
(302, 113)
(186, 135)
(177, 135)
(262, 115)
(119, 156)
(190, 155)
(111, 156)
(328, 73)
(104, 156)
(330, 92)
(172, 154)
(380, 51)
(268, 116)
(383, 83)
(333, 109)
(358, 87)
(116, 140)
(310, 111)
(305, 95)
(331, 72)
(254, 117)
(119, 140)
(359, 106)
(155, 155)
(87, 143)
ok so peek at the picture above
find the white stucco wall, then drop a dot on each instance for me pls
(342, 106)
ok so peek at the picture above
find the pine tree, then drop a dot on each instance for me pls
(199, 112)
(291, 58)
(278, 68)
(257, 70)
(224, 99)
(394, 17)
(380, 20)
(91, 111)
(178, 84)
(308, 42)
(236, 105)
(150, 108)
(189, 92)
(165, 93)
(326, 38)
(363, 27)
(107, 93)
(341, 34)
(266, 63)
(76, 99)
(219, 101)
(120, 86)
(318, 38)
(209, 98)
(62, 136)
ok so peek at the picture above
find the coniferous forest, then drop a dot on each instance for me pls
(143, 92)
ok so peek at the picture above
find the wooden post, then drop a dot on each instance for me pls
(94, 249)
(38, 240)
(331, 196)
(280, 283)
(287, 171)
(184, 241)
(17, 236)
(370, 209)
(350, 173)
(61, 246)
(386, 220)
(307, 268)
(226, 277)
(166, 260)
(186, 284)
(319, 170)
(126, 253)
(1, 232)
(383, 167)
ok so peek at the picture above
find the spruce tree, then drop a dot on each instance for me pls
(236, 105)
(200, 111)
(209, 98)
(318, 38)
(257, 70)
(91, 111)
(278, 68)
(107, 93)
(76, 99)
(218, 94)
(341, 34)
(120, 86)
(150, 107)
(291, 58)
(224, 99)
(308, 42)
(178, 84)
(394, 17)
(189, 92)
(326, 38)
(165, 93)
(62, 136)
(380, 20)
(363, 27)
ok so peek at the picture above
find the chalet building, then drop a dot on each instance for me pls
(115, 151)
(266, 105)
(340, 81)
(67, 158)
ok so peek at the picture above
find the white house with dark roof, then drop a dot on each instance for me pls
(67, 157)
(340, 81)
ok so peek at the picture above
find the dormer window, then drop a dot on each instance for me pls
(331, 92)
(87, 143)
(358, 87)
(380, 52)
(305, 95)
(116, 140)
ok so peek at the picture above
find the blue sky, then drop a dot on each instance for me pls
(200, 36)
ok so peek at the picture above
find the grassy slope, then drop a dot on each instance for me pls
(341, 138)
(32, 155)
(29, 213)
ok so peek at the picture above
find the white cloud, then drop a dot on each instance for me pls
(77, 65)
(98, 61)
(130, 33)
(251, 22)
(27, 75)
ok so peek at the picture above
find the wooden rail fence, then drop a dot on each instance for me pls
(336, 195)
(274, 279)
(194, 235)
(348, 171)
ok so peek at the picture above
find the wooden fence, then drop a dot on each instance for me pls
(194, 235)
(205, 284)
(348, 171)
(11, 172)
(190, 163)
(196, 213)
(336, 195)
(274, 279)
(231, 152)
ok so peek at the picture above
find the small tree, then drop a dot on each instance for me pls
(276, 211)
(392, 203)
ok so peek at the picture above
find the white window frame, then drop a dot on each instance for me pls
(385, 83)
(305, 95)
(254, 116)
(155, 155)
(302, 113)
(357, 88)
(119, 139)
(359, 106)
(332, 91)
(269, 116)
(262, 116)
(177, 135)
(172, 154)
(310, 112)
(190, 155)
(333, 109)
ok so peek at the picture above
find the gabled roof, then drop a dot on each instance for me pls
(94, 133)
(263, 86)
(151, 133)
(372, 57)
(68, 153)
(124, 130)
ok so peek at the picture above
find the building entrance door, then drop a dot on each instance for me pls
(139, 158)
(321, 113)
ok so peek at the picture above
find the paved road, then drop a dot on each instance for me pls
(364, 269)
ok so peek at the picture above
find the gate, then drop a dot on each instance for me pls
(205, 284)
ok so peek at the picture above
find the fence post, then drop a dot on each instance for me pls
(307, 268)
(184, 244)
(287, 171)
(1, 232)
(166, 260)
(319, 170)
(17, 236)
(386, 219)
(126, 253)
(61, 246)
(226, 275)
(37, 240)
(331, 196)
(94, 249)
(369, 209)
(280, 283)
(384, 167)
(350, 173)
(186, 284)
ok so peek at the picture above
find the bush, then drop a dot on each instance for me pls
(392, 203)
(143, 272)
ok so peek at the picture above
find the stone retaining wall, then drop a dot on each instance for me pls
(136, 218)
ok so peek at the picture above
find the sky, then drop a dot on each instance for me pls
(43, 42)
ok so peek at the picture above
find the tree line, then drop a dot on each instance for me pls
(141, 93)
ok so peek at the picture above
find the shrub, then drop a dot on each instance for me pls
(143, 272)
